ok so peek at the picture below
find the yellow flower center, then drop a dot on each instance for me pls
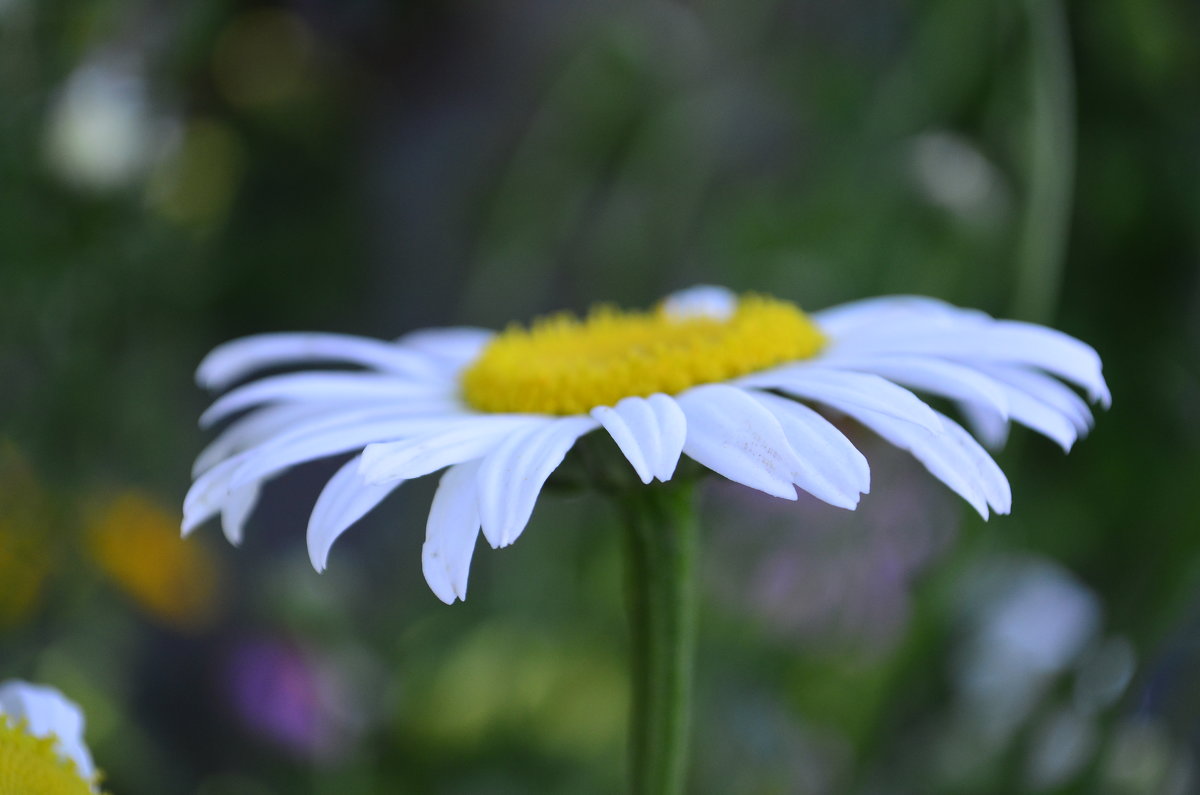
(30, 766)
(566, 365)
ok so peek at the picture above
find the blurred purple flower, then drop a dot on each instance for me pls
(281, 693)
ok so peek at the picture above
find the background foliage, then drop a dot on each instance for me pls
(175, 173)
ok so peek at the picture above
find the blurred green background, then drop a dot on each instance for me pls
(174, 174)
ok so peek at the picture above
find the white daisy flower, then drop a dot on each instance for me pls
(41, 742)
(741, 384)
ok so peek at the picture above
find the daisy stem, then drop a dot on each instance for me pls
(661, 527)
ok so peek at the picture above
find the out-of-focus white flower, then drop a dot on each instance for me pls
(100, 135)
(1032, 620)
(1044, 622)
(42, 751)
(1064, 742)
(952, 173)
(726, 380)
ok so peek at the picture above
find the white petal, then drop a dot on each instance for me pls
(451, 532)
(936, 376)
(704, 300)
(512, 475)
(838, 321)
(234, 360)
(48, 712)
(208, 493)
(843, 390)
(338, 434)
(311, 418)
(471, 437)
(1001, 341)
(991, 477)
(255, 428)
(344, 388)
(454, 346)
(832, 467)
(237, 509)
(1046, 420)
(943, 454)
(732, 434)
(271, 458)
(620, 421)
(1055, 352)
(649, 431)
(672, 427)
(344, 500)
(1053, 393)
(990, 427)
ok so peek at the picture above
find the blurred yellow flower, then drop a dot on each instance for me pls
(136, 544)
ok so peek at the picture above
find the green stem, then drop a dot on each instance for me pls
(1050, 160)
(661, 533)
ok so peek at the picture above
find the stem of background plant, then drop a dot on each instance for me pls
(1050, 162)
(661, 532)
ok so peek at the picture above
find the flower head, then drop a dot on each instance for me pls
(41, 743)
(733, 382)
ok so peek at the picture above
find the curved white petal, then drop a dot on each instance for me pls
(236, 359)
(345, 499)
(471, 437)
(512, 475)
(944, 454)
(649, 431)
(732, 434)
(273, 457)
(844, 390)
(1036, 415)
(1053, 351)
(999, 341)
(253, 429)
(620, 421)
(992, 479)
(344, 388)
(453, 346)
(935, 376)
(832, 468)
(704, 300)
(46, 712)
(848, 318)
(991, 428)
(672, 428)
(208, 493)
(237, 509)
(451, 532)
(310, 418)
(1050, 391)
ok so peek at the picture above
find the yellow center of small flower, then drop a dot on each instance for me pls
(566, 365)
(30, 766)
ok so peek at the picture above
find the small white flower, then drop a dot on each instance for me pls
(729, 381)
(41, 742)
(101, 133)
